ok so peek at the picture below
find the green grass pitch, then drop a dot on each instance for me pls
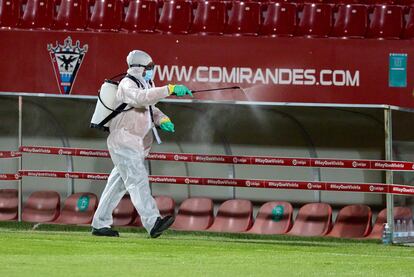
(72, 251)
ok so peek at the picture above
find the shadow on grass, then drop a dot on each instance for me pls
(191, 235)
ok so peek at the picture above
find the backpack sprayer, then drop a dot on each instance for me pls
(106, 108)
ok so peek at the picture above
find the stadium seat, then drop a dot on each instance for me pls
(194, 214)
(353, 221)
(41, 206)
(8, 204)
(210, 18)
(79, 208)
(351, 21)
(141, 16)
(280, 20)
(176, 17)
(399, 213)
(91, 3)
(342, 2)
(72, 15)
(316, 20)
(124, 213)
(408, 3)
(38, 14)
(165, 204)
(386, 22)
(106, 15)
(244, 18)
(313, 219)
(378, 2)
(233, 216)
(161, 4)
(273, 218)
(9, 13)
(408, 32)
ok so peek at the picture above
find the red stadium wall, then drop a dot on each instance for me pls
(354, 71)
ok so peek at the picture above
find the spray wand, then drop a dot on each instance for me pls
(217, 89)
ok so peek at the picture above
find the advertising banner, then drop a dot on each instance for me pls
(354, 71)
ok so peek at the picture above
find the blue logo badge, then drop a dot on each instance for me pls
(397, 77)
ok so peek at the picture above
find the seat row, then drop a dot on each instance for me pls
(236, 215)
(364, 2)
(211, 17)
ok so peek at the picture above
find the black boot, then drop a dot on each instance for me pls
(105, 232)
(161, 225)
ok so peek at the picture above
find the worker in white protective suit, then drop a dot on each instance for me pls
(129, 142)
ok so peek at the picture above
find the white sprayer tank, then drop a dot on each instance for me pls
(105, 104)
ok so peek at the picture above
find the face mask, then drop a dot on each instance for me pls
(148, 75)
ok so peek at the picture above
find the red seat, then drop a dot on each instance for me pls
(280, 20)
(378, 2)
(316, 20)
(399, 213)
(194, 214)
(408, 3)
(351, 21)
(244, 19)
(353, 221)
(141, 16)
(72, 15)
(79, 208)
(273, 218)
(106, 15)
(342, 2)
(8, 204)
(41, 206)
(313, 219)
(165, 204)
(386, 23)
(233, 216)
(38, 14)
(408, 32)
(176, 17)
(91, 3)
(210, 17)
(124, 212)
(9, 13)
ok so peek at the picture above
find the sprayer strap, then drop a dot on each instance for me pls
(137, 82)
(117, 111)
(121, 107)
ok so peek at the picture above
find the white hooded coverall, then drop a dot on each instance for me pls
(129, 142)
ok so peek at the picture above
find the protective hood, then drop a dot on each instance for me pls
(137, 57)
